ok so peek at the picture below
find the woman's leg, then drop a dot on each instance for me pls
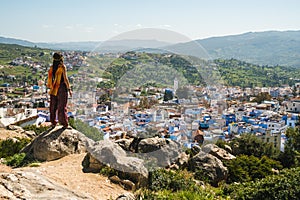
(53, 109)
(62, 99)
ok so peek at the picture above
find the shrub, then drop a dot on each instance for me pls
(246, 168)
(170, 180)
(37, 130)
(249, 144)
(10, 146)
(179, 195)
(17, 160)
(90, 132)
(283, 186)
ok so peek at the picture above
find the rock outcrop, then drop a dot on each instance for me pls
(32, 185)
(218, 152)
(208, 166)
(56, 143)
(19, 131)
(160, 150)
(106, 153)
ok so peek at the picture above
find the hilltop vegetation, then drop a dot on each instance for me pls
(243, 74)
(153, 68)
(9, 52)
(231, 72)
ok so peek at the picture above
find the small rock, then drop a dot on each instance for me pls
(128, 185)
(127, 196)
(115, 179)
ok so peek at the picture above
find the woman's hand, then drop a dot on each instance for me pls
(70, 92)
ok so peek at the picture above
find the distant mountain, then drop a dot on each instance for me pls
(264, 48)
(26, 43)
(69, 46)
(106, 46)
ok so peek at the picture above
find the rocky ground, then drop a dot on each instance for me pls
(63, 178)
(59, 179)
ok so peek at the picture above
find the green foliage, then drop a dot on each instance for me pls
(221, 143)
(9, 52)
(168, 95)
(243, 74)
(106, 84)
(170, 180)
(108, 171)
(91, 132)
(291, 155)
(37, 129)
(283, 186)
(179, 195)
(249, 144)
(17, 160)
(247, 168)
(10, 146)
(169, 185)
(262, 96)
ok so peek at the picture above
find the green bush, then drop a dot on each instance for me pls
(37, 130)
(247, 168)
(10, 146)
(249, 144)
(90, 132)
(17, 160)
(179, 195)
(283, 186)
(170, 180)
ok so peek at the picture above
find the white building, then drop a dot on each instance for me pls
(293, 106)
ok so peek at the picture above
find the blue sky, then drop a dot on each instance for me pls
(98, 20)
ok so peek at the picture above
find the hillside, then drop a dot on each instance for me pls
(233, 72)
(264, 48)
(9, 52)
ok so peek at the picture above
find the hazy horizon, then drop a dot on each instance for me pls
(94, 20)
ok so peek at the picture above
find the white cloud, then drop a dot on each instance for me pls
(69, 27)
(89, 29)
(45, 26)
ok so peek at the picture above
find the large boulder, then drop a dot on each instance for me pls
(56, 143)
(218, 152)
(106, 153)
(209, 167)
(163, 151)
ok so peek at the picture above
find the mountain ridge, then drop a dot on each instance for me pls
(263, 48)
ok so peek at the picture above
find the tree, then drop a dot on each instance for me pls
(262, 96)
(291, 155)
(168, 95)
(249, 144)
(247, 168)
(144, 103)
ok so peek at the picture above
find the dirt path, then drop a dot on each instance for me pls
(67, 172)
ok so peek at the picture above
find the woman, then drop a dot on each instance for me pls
(59, 85)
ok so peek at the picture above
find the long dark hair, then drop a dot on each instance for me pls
(57, 60)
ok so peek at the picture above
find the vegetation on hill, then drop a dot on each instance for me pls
(9, 52)
(152, 68)
(231, 72)
(239, 73)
